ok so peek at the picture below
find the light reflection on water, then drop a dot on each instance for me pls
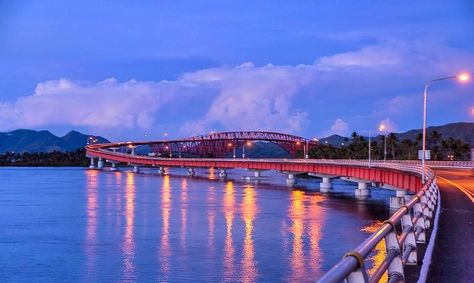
(121, 226)
(249, 211)
(165, 251)
(91, 226)
(229, 250)
(128, 245)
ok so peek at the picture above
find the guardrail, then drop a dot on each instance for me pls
(402, 232)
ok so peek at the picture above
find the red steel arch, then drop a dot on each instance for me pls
(219, 145)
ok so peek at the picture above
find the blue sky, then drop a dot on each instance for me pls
(129, 68)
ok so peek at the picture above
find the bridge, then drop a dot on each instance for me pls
(409, 234)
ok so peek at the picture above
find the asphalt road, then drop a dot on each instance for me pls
(453, 258)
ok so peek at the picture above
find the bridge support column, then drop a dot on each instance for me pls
(398, 200)
(191, 172)
(325, 186)
(114, 166)
(362, 190)
(161, 171)
(136, 169)
(100, 163)
(92, 166)
(290, 179)
(222, 173)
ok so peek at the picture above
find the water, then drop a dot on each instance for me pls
(77, 225)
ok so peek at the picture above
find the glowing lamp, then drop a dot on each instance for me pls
(463, 77)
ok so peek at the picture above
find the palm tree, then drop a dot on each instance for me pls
(392, 141)
(407, 148)
(435, 138)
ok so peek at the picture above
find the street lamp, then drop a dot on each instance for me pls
(243, 148)
(229, 145)
(463, 77)
(370, 148)
(382, 129)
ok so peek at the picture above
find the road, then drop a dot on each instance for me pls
(453, 258)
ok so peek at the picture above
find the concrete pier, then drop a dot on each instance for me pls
(161, 170)
(398, 200)
(114, 166)
(136, 169)
(362, 190)
(326, 185)
(290, 179)
(100, 163)
(92, 166)
(222, 173)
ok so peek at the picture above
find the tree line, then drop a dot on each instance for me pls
(357, 147)
(55, 158)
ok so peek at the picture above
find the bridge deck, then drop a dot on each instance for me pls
(453, 258)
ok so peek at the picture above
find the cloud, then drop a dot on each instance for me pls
(252, 98)
(339, 127)
(367, 57)
(108, 104)
(383, 76)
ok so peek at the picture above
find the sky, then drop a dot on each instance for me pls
(131, 70)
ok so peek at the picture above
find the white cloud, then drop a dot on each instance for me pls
(248, 97)
(253, 98)
(367, 57)
(339, 127)
(108, 103)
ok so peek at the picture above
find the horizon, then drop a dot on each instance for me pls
(320, 138)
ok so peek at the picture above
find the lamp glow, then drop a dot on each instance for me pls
(463, 77)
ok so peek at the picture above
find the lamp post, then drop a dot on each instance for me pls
(464, 77)
(381, 129)
(370, 148)
(229, 145)
(243, 148)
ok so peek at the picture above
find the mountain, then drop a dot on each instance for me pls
(334, 140)
(42, 141)
(462, 130)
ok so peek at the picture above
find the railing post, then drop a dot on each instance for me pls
(391, 243)
(409, 245)
(419, 223)
(426, 211)
(360, 274)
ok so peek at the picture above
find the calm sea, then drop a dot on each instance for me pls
(78, 225)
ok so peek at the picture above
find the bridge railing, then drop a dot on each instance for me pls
(403, 232)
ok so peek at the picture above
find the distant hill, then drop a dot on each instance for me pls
(42, 141)
(334, 140)
(462, 130)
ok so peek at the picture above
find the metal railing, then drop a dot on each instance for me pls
(403, 232)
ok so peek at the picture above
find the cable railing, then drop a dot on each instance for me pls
(403, 233)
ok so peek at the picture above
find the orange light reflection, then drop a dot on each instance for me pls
(212, 173)
(379, 252)
(211, 218)
(297, 213)
(184, 207)
(165, 252)
(315, 217)
(249, 211)
(229, 250)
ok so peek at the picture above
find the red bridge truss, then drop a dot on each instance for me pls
(220, 145)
